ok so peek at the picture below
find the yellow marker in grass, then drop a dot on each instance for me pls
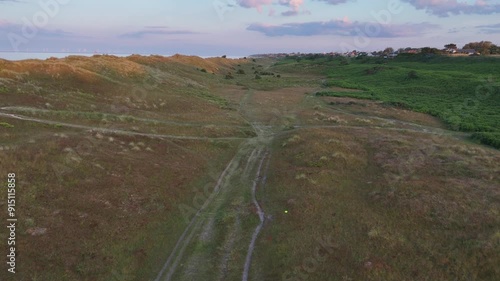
(286, 212)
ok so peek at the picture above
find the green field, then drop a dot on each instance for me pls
(464, 92)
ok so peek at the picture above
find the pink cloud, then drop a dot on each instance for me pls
(293, 4)
(335, 2)
(444, 8)
(255, 3)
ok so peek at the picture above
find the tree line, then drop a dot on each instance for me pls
(483, 47)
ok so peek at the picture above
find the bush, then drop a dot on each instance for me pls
(398, 104)
(374, 70)
(344, 61)
(241, 71)
(412, 75)
(491, 139)
(204, 70)
(266, 73)
(258, 77)
(229, 76)
(6, 125)
(279, 76)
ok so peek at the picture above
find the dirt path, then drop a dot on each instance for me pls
(261, 214)
(176, 255)
(232, 183)
(17, 109)
(109, 130)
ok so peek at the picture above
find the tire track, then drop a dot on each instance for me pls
(180, 247)
(260, 212)
(140, 119)
(112, 131)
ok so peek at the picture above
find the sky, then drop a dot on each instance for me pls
(242, 27)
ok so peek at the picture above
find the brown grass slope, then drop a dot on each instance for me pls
(371, 192)
(104, 206)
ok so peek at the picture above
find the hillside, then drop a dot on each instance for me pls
(183, 168)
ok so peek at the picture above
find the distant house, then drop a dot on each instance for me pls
(412, 51)
(467, 51)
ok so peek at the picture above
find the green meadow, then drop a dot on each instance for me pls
(464, 92)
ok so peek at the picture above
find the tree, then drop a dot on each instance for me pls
(450, 46)
(429, 50)
(388, 50)
(482, 47)
(494, 50)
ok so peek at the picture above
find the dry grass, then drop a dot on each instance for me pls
(101, 200)
(104, 206)
(396, 205)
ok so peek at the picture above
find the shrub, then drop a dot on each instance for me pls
(204, 70)
(491, 139)
(258, 76)
(229, 76)
(6, 125)
(369, 71)
(344, 61)
(374, 70)
(241, 71)
(412, 75)
(266, 73)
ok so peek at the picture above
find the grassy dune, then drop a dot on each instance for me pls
(364, 171)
